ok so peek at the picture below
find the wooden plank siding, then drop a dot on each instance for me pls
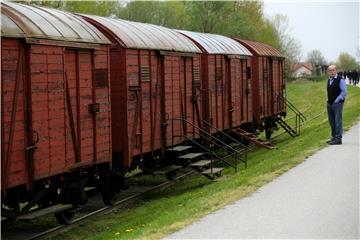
(138, 90)
(45, 106)
(13, 110)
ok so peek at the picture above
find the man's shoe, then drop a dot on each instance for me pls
(336, 142)
(329, 141)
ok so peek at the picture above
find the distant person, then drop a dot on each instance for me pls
(350, 77)
(345, 75)
(336, 93)
(340, 74)
(355, 77)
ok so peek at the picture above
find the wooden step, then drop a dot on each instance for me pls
(253, 138)
(214, 170)
(88, 189)
(179, 148)
(201, 163)
(167, 169)
(45, 211)
(191, 155)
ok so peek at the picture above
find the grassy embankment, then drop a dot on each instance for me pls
(162, 213)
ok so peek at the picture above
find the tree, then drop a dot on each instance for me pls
(346, 62)
(240, 18)
(44, 3)
(165, 13)
(288, 44)
(244, 19)
(247, 21)
(99, 7)
(316, 58)
(208, 16)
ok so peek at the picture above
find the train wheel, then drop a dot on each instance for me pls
(171, 176)
(268, 133)
(109, 198)
(110, 188)
(65, 217)
(245, 142)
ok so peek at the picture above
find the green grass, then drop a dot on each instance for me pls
(162, 213)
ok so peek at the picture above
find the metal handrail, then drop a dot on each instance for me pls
(299, 117)
(213, 154)
(212, 140)
(292, 107)
(225, 134)
(208, 134)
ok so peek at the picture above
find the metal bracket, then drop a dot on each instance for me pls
(94, 108)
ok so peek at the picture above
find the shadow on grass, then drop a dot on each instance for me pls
(193, 184)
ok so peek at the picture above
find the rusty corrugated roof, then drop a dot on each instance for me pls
(19, 20)
(144, 36)
(216, 44)
(261, 49)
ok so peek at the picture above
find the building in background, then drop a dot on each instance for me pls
(302, 70)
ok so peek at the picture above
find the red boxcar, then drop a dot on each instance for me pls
(227, 84)
(268, 82)
(55, 99)
(155, 77)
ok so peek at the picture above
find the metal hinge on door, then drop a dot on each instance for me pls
(33, 146)
(165, 120)
(94, 108)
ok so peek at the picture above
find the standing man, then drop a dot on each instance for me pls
(336, 92)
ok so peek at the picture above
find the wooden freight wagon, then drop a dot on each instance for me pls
(226, 80)
(55, 106)
(268, 82)
(155, 85)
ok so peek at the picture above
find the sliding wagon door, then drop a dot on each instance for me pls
(79, 112)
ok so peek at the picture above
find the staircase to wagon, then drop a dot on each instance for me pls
(208, 153)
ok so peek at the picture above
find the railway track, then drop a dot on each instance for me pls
(92, 209)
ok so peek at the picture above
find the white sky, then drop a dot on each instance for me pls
(329, 26)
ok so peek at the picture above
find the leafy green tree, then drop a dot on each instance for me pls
(165, 13)
(100, 8)
(244, 19)
(346, 62)
(44, 3)
(209, 16)
(249, 22)
(269, 35)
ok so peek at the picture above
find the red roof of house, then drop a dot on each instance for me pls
(307, 65)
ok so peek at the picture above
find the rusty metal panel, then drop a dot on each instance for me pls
(217, 44)
(261, 49)
(144, 36)
(38, 22)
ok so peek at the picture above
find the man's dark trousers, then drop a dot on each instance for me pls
(335, 119)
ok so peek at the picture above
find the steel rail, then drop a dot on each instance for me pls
(61, 228)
